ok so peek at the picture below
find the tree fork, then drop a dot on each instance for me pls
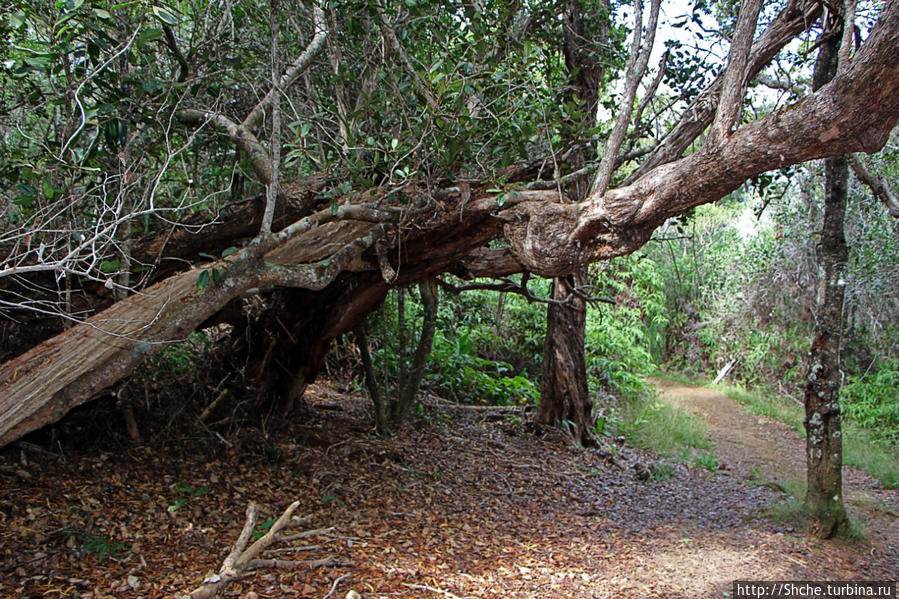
(855, 112)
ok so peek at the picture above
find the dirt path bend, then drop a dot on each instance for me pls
(761, 449)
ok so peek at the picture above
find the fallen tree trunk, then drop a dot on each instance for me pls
(855, 112)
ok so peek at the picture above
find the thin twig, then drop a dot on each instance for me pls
(334, 585)
(425, 587)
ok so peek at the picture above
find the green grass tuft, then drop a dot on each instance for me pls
(652, 424)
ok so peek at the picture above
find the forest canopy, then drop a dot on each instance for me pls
(162, 162)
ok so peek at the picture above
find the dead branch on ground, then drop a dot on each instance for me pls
(242, 560)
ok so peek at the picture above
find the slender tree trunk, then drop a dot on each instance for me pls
(371, 380)
(412, 382)
(824, 439)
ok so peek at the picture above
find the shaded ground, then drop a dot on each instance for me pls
(463, 502)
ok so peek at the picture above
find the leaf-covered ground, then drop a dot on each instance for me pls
(461, 503)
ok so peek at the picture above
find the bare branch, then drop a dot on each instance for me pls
(636, 67)
(242, 133)
(848, 34)
(293, 72)
(172, 44)
(271, 190)
(650, 92)
(395, 45)
(242, 136)
(879, 187)
(730, 106)
(506, 285)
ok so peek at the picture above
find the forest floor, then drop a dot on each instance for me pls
(463, 502)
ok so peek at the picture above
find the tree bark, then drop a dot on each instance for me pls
(564, 398)
(824, 437)
(409, 387)
(371, 381)
(824, 442)
(855, 112)
(795, 18)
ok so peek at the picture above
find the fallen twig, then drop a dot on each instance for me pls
(425, 587)
(334, 585)
(242, 560)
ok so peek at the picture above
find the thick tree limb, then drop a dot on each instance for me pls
(855, 112)
(54, 377)
(798, 16)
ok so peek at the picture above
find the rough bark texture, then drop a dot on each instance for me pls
(564, 396)
(564, 378)
(824, 442)
(795, 18)
(855, 112)
(824, 437)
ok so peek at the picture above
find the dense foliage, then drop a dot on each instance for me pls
(97, 151)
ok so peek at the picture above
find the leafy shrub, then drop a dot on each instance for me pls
(872, 401)
(457, 371)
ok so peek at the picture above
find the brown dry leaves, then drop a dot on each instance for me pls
(464, 503)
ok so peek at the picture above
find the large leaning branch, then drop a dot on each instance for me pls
(243, 137)
(854, 112)
(798, 16)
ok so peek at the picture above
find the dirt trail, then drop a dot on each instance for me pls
(762, 449)
(463, 502)
(743, 441)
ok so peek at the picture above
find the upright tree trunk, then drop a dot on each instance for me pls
(371, 380)
(409, 385)
(824, 439)
(824, 442)
(564, 396)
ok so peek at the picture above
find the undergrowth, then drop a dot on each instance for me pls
(650, 423)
